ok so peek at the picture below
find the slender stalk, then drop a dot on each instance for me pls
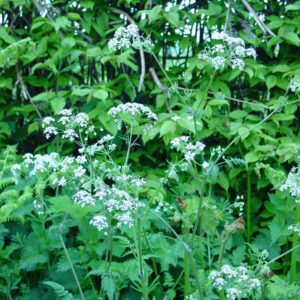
(222, 250)
(65, 250)
(246, 132)
(140, 257)
(194, 268)
(70, 263)
(152, 259)
(248, 207)
(129, 144)
(186, 267)
(294, 246)
(201, 194)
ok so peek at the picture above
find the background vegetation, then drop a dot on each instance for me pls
(54, 55)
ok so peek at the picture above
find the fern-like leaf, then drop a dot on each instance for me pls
(59, 290)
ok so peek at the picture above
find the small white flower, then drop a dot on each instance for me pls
(218, 48)
(15, 169)
(70, 135)
(205, 165)
(175, 118)
(62, 181)
(237, 63)
(82, 120)
(65, 112)
(47, 121)
(84, 198)
(218, 62)
(233, 293)
(81, 159)
(49, 131)
(100, 222)
(79, 171)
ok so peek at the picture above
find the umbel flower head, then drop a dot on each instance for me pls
(233, 54)
(126, 37)
(133, 110)
(292, 183)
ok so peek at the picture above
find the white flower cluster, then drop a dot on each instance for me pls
(126, 37)
(100, 222)
(67, 125)
(64, 169)
(292, 183)
(134, 110)
(118, 203)
(295, 228)
(235, 282)
(189, 149)
(239, 204)
(84, 198)
(102, 146)
(38, 205)
(295, 84)
(218, 55)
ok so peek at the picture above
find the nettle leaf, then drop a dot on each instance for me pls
(278, 228)
(108, 285)
(59, 290)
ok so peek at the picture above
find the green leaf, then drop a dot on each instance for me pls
(271, 81)
(5, 36)
(218, 102)
(93, 52)
(167, 127)
(108, 285)
(186, 124)
(173, 17)
(58, 104)
(60, 22)
(101, 94)
(44, 97)
(252, 156)
(238, 114)
(292, 38)
(223, 181)
(81, 92)
(154, 13)
(74, 16)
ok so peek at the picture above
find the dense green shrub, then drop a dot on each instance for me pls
(195, 139)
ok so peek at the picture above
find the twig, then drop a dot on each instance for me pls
(142, 55)
(160, 85)
(259, 22)
(227, 16)
(25, 92)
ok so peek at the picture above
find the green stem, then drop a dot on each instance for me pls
(108, 254)
(294, 245)
(194, 268)
(222, 249)
(140, 257)
(65, 250)
(199, 209)
(248, 207)
(167, 76)
(129, 144)
(70, 263)
(186, 267)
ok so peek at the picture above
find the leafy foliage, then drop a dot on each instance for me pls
(54, 55)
